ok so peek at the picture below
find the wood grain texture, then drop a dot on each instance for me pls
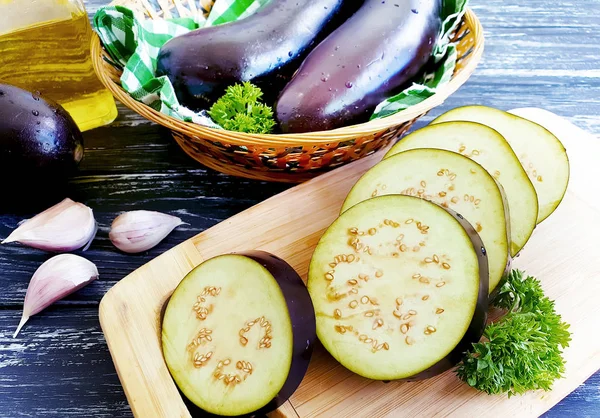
(61, 369)
(538, 53)
(130, 313)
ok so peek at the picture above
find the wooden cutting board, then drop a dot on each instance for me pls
(563, 253)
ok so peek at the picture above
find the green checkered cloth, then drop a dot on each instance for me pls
(134, 42)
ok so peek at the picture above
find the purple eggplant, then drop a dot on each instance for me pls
(38, 138)
(265, 48)
(238, 334)
(372, 56)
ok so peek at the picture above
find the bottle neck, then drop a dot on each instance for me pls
(20, 14)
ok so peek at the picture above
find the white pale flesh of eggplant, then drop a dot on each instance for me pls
(210, 312)
(450, 180)
(541, 153)
(388, 314)
(487, 147)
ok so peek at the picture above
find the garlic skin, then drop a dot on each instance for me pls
(58, 277)
(66, 226)
(140, 230)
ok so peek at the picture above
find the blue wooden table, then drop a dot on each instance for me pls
(538, 53)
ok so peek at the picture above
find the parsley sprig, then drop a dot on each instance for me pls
(523, 350)
(240, 110)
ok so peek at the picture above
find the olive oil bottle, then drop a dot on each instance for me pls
(45, 47)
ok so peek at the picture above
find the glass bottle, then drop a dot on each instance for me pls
(45, 47)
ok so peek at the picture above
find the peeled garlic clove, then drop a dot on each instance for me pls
(140, 230)
(64, 227)
(56, 278)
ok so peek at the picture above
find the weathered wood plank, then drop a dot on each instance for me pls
(169, 181)
(584, 402)
(200, 198)
(537, 54)
(58, 367)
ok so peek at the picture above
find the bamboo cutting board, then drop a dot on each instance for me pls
(563, 254)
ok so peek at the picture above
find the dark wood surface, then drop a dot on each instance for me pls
(538, 53)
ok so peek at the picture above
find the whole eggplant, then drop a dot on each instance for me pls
(40, 143)
(369, 58)
(265, 48)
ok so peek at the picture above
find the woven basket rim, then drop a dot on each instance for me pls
(308, 138)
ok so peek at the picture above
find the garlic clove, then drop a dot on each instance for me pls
(58, 277)
(140, 230)
(64, 227)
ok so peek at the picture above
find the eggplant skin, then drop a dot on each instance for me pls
(38, 138)
(372, 56)
(264, 48)
(479, 320)
(302, 314)
(304, 329)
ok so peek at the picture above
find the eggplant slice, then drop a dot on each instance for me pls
(487, 147)
(541, 154)
(390, 313)
(238, 334)
(452, 181)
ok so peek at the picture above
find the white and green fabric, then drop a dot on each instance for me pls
(133, 43)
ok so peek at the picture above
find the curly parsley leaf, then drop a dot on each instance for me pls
(240, 110)
(520, 293)
(523, 350)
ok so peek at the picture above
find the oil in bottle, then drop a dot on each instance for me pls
(45, 47)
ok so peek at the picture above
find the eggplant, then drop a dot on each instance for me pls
(39, 140)
(400, 288)
(264, 48)
(540, 152)
(450, 180)
(238, 334)
(369, 58)
(488, 148)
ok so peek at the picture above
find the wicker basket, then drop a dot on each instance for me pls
(285, 157)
